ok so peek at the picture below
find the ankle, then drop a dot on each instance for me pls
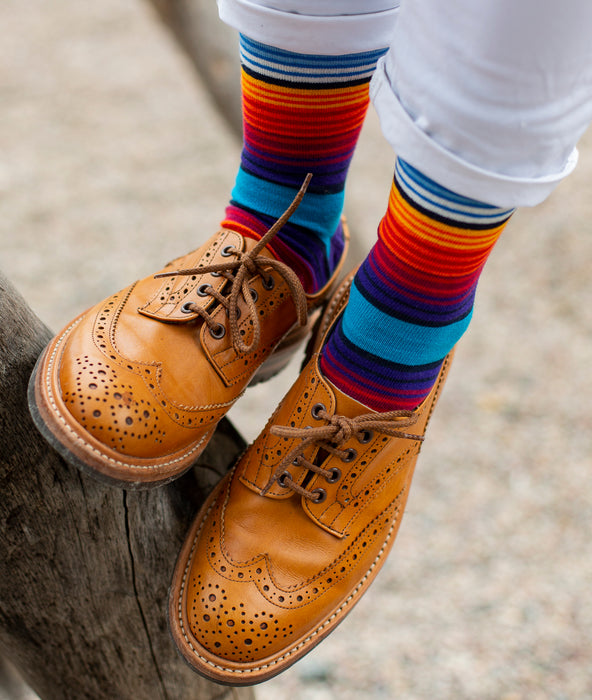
(313, 259)
(373, 381)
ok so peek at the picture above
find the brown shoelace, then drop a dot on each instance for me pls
(238, 270)
(330, 436)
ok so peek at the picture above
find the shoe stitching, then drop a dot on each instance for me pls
(376, 491)
(79, 440)
(301, 644)
(211, 250)
(321, 574)
(126, 363)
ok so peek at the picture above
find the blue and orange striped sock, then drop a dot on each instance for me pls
(412, 298)
(301, 113)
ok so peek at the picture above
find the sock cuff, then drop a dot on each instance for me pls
(311, 69)
(444, 204)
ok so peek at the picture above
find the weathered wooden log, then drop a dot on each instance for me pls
(85, 568)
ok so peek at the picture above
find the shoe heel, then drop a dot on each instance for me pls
(284, 352)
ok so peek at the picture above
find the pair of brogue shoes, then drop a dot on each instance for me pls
(290, 539)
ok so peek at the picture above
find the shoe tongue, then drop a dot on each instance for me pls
(345, 405)
(250, 243)
(169, 295)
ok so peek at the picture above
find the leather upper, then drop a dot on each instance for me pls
(136, 385)
(267, 571)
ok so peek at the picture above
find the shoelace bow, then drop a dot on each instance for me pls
(337, 430)
(239, 270)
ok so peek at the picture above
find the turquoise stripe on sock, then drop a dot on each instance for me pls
(320, 213)
(372, 330)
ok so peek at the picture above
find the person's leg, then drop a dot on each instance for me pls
(303, 110)
(483, 103)
(412, 298)
(489, 101)
(472, 144)
(302, 114)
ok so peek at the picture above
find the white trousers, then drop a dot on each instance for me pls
(487, 97)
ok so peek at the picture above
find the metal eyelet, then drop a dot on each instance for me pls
(227, 251)
(253, 293)
(365, 436)
(215, 274)
(335, 475)
(282, 479)
(202, 290)
(349, 455)
(186, 308)
(218, 331)
(316, 409)
(268, 283)
(320, 496)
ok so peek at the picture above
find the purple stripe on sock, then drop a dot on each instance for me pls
(420, 309)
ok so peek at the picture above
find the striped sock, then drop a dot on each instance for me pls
(412, 298)
(301, 113)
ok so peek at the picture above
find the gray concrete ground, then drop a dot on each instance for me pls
(113, 160)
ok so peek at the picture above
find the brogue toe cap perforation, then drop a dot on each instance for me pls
(239, 613)
(124, 409)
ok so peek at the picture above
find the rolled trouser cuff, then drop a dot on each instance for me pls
(346, 30)
(414, 145)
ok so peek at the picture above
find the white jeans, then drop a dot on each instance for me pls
(487, 97)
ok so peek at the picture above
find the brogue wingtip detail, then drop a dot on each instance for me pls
(276, 549)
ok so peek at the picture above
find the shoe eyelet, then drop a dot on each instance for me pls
(218, 331)
(319, 495)
(365, 436)
(335, 475)
(282, 479)
(187, 308)
(316, 410)
(227, 251)
(349, 455)
(253, 293)
(268, 283)
(202, 290)
(215, 274)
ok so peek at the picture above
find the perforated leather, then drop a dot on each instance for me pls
(266, 550)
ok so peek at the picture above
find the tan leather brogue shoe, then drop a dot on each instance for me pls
(133, 389)
(290, 540)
